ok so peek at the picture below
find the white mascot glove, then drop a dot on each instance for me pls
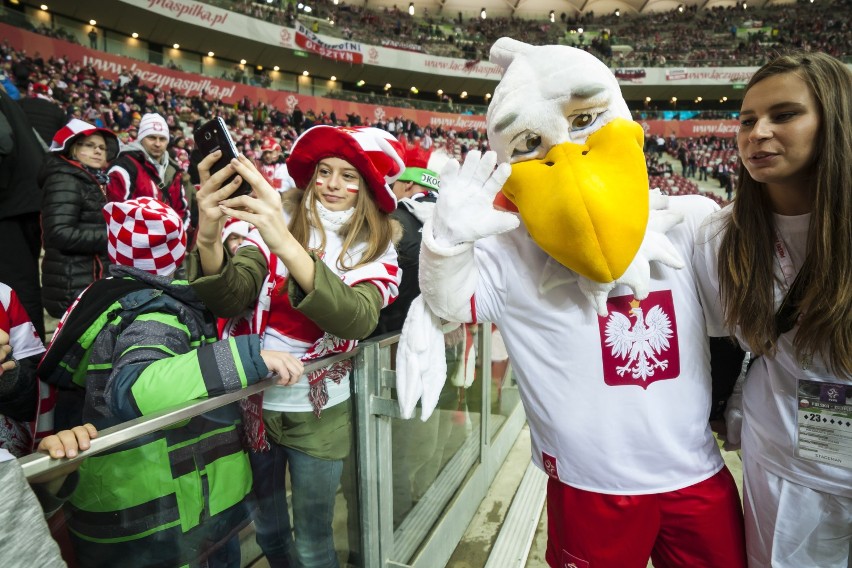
(465, 209)
(734, 416)
(421, 364)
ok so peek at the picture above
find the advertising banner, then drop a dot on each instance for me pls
(690, 128)
(346, 51)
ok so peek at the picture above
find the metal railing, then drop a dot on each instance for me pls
(40, 467)
(425, 535)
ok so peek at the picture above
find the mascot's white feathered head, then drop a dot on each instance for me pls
(578, 177)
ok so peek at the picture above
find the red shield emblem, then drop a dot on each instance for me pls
(639, 342)
(550, 465)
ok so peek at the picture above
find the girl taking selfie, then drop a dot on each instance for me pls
(310, 278)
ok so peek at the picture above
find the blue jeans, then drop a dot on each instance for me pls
(314, 482)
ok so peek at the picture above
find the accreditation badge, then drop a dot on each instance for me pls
(825, 422)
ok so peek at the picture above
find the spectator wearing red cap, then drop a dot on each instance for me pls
(73, 181)
(316, 277)
(144, 169)
(272, 167)
(138, 343)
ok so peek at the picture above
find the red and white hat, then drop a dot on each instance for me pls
(76, 128)
(146, 234)
(234, 226)
(152, 124)
(376, 154)
(270, 145)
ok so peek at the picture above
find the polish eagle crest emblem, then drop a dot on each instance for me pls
(643, 342)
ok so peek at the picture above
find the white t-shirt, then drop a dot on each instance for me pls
(294, 398)
(600, 419)
(770, 400)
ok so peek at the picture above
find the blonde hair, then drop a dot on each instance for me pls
(368, 224)
(746, 258)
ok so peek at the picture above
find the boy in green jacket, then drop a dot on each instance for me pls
(138, 343)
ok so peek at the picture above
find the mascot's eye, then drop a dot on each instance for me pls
(582, 121)
(529, 144)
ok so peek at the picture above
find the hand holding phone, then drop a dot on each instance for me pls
(212, 136)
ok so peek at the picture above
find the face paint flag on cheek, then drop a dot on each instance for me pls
(352, 188)
(319, 183)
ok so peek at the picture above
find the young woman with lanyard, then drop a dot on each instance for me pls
(776, 271)
(313, 280)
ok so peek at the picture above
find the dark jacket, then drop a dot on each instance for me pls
(74, 232)
(408, 248)
(45, 117)
(20, 160)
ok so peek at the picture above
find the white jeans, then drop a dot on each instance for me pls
(791, 526)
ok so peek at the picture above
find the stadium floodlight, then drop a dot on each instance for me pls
(305, 73)
(242, 61)
(332, 78)
(43, 7)
(134, 35)
(360, 83)
(680, 8)
(440, 92)
(176, 46)
(414, 90)
(276, 68)
(387, 86)
(617, 13)
(463, 94)
(411, 8)
(487, 96)
(93, 23)
(211, 54)
(482, 14)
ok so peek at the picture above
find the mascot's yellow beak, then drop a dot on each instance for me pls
(587, 205)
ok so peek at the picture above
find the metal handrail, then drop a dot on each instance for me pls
(39, 467)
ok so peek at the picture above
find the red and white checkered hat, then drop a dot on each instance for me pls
(376, 154)
(146, 234)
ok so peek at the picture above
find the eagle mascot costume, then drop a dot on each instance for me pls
(588, 276)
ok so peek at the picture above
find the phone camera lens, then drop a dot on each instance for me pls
(207, 136)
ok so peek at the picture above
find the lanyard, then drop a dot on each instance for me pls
(783, 256)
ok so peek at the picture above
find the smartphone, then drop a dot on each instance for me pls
(213, 135)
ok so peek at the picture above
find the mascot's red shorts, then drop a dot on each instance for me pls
(700, 526)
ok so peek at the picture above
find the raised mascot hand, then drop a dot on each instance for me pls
(465, 210)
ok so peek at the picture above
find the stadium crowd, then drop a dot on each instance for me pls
(682, 36)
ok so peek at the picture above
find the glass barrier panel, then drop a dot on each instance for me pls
(431, 459)
(189, 492)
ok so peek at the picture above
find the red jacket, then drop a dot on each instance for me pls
(132, 176)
